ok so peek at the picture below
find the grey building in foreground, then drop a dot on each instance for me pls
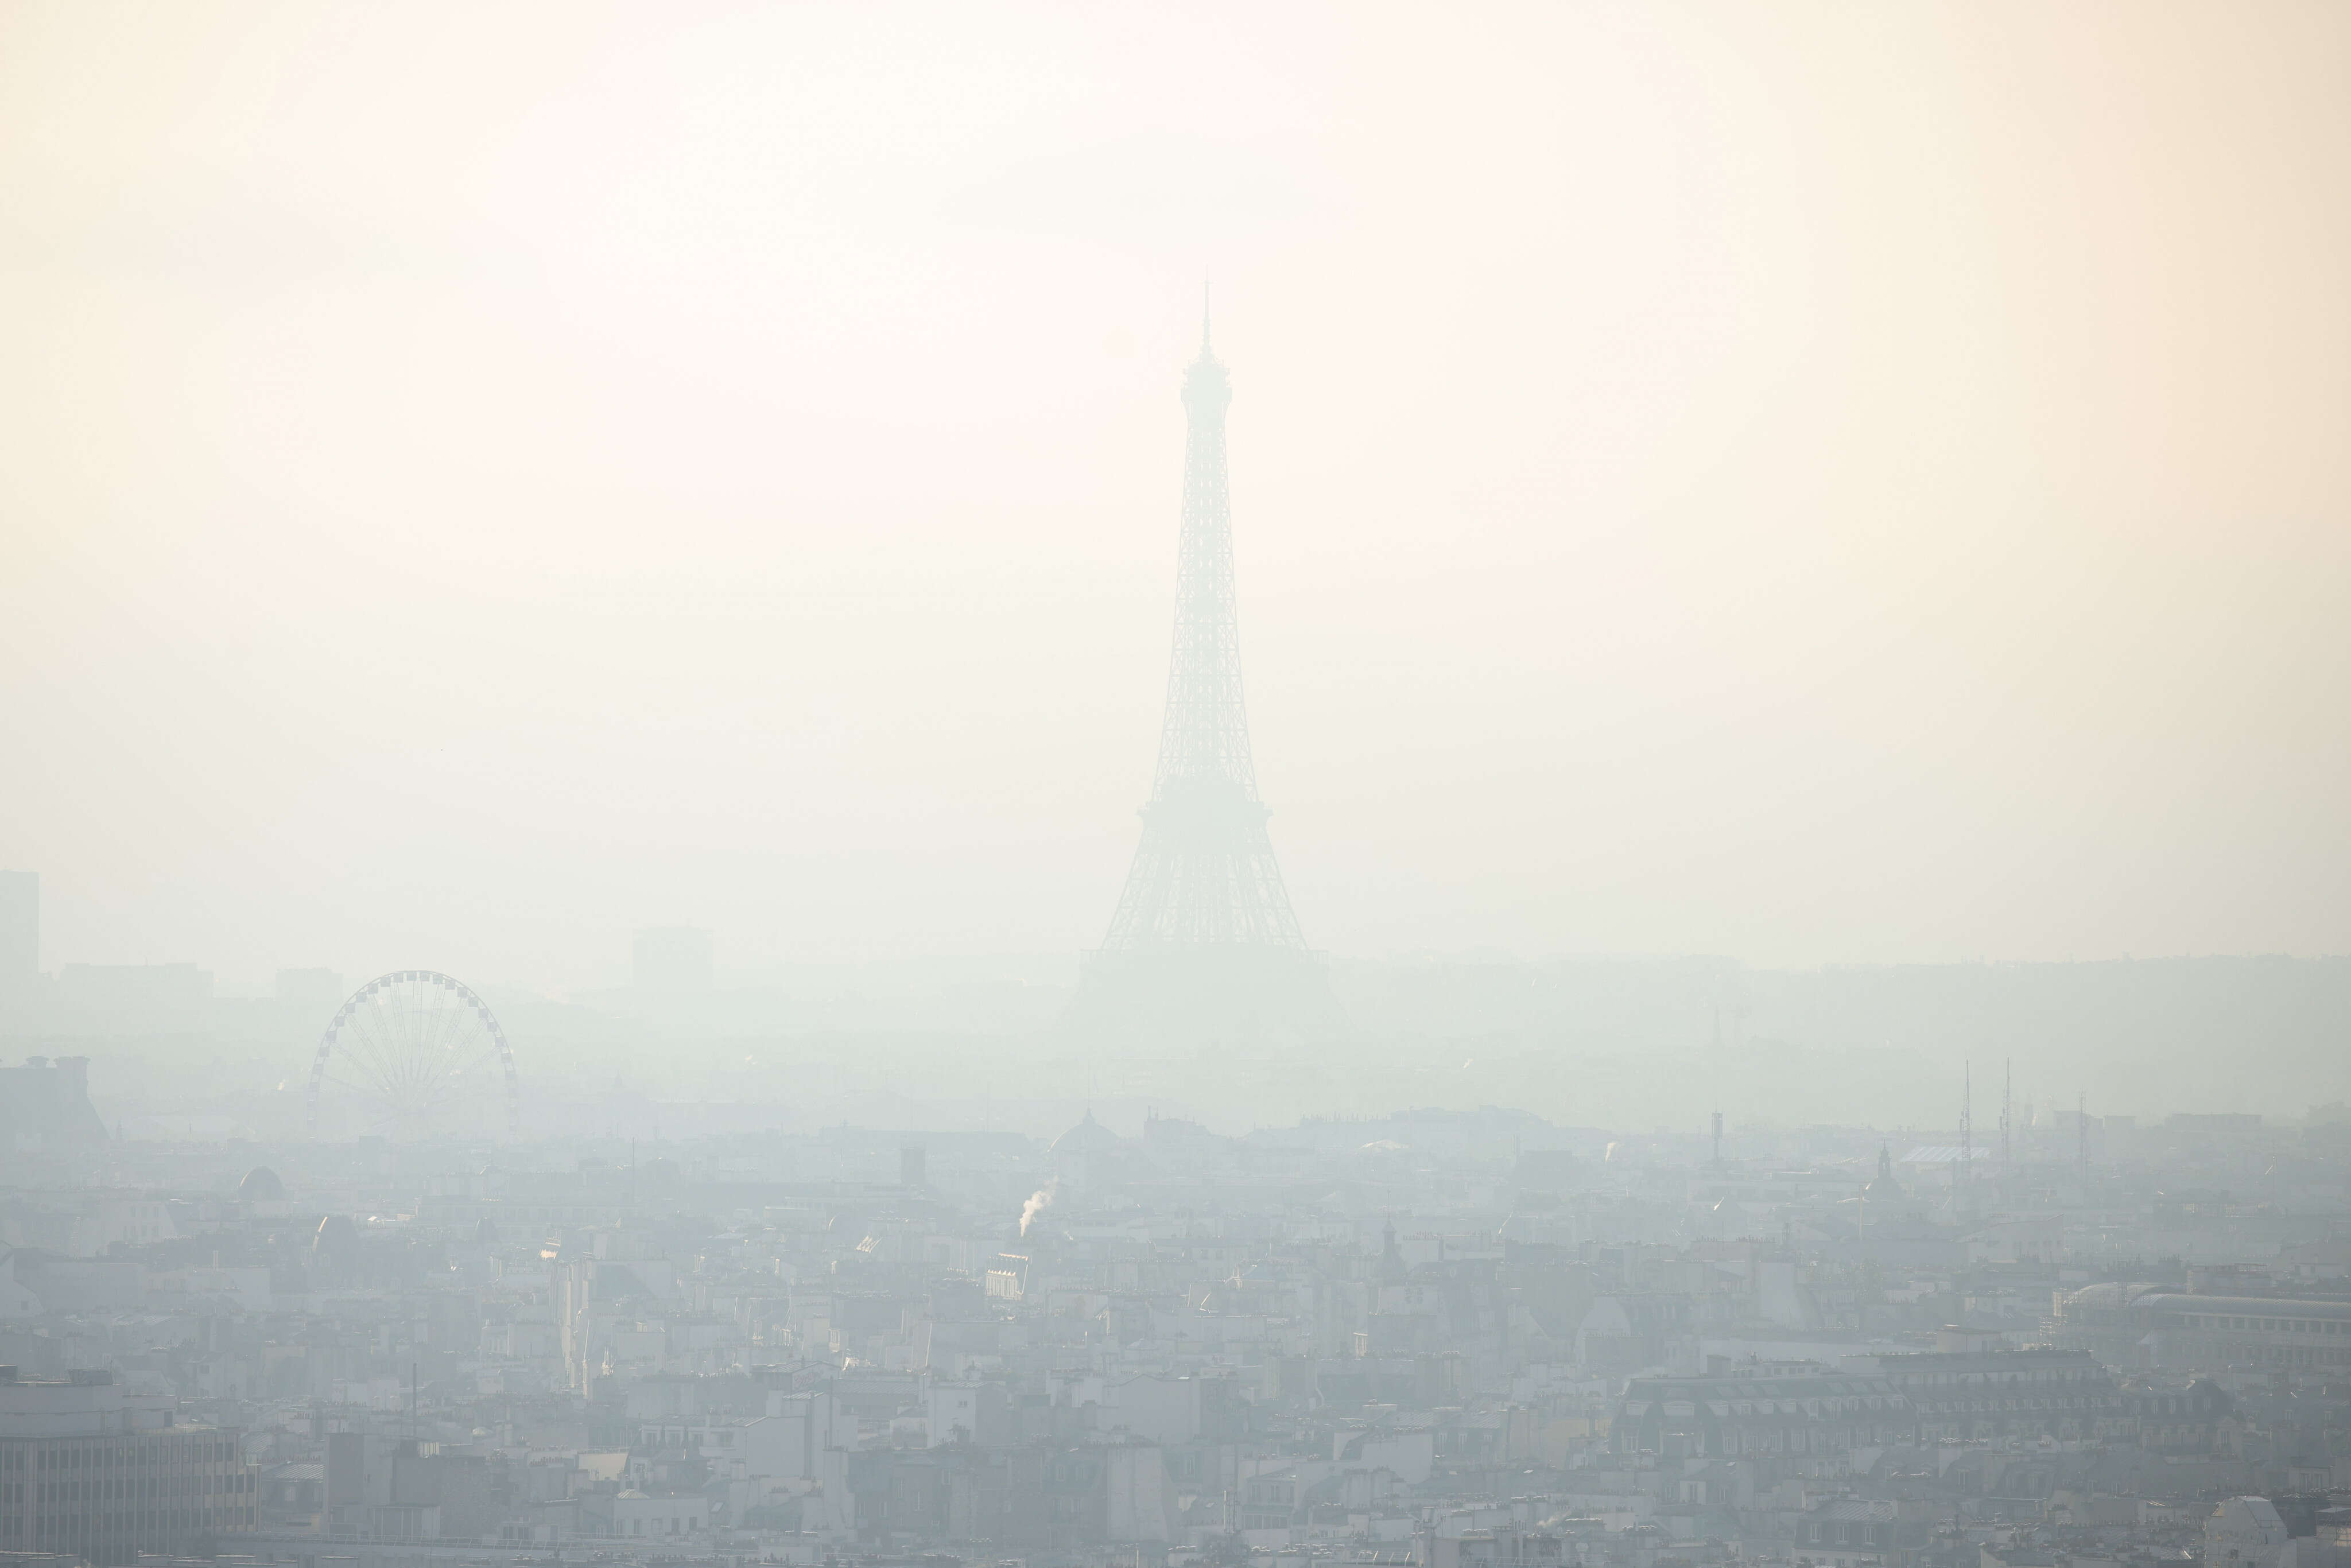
(93, 1470)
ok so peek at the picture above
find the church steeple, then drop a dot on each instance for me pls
(1884, 1189)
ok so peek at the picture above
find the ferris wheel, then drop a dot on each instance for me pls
(413, 1053)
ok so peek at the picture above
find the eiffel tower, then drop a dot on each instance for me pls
(1204, 944)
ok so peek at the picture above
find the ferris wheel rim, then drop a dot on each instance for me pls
(464, 993)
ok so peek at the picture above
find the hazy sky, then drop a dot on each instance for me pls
(1812, 484)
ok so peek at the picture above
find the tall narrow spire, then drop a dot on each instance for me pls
(1205, 871)
(1203, 925)
(1964, 1194)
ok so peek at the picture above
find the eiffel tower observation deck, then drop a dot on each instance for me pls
(1204, 944)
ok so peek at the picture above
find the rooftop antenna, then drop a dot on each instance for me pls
(1967, 1124)
(1204, 318)
(2007, 1085)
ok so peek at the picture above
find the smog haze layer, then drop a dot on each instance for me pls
(1811, 485)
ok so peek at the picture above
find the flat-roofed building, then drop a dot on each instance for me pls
(91, 1468)
(2174, 1330)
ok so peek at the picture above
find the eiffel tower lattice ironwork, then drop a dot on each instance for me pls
(1205, 874)
(1204, 935)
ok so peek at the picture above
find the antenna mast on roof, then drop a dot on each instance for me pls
(2007, 1088)
(1967, 1126)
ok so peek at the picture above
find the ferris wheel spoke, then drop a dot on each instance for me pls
(440, 1014)
(449, 1017)
(445, 1044)
(428, 1021)
(363, 1060)
(367, 1029)
(399, 1047)
(367, 1086)
(362, 1091)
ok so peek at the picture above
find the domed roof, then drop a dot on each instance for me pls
(1087, 1137)
(261, 1186)
(336, 1234)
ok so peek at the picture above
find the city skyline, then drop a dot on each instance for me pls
(1733, 953)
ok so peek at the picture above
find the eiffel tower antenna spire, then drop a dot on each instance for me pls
(1205, 352)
